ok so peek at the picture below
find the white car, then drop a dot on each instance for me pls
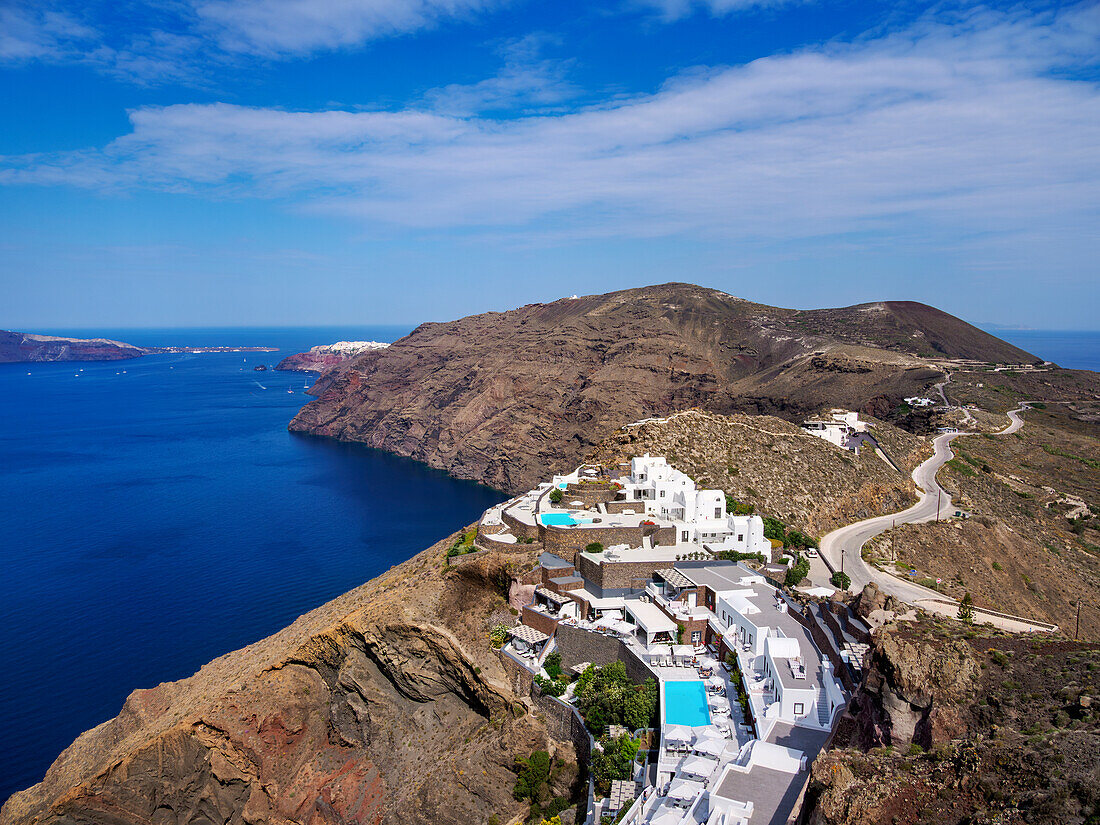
(811, 553)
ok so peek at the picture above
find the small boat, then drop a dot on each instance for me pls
(288, 389)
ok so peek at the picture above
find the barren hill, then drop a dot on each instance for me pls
(501, 396)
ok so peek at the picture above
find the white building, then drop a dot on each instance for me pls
(838, 429)
(665, 493)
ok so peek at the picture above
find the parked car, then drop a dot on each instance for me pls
(811, 553)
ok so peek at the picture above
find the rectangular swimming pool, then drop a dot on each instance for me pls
(562, 520)
(686, 704)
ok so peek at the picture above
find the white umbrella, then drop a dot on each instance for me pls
(716, 681)
(710, 745)
(667, 816)
(678, 733)
(700, 766)
(684, 789)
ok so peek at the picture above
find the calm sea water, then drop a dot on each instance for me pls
(156, 518)
(1073, 349)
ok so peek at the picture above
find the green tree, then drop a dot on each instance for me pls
(556, 496)
(552, 664)
(841, 580)
(966, 609)
(615, 761)
(532, 777)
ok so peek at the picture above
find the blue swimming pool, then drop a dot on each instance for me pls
(562, 520)
(686, 704)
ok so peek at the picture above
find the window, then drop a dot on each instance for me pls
(662, 493)
(740, 537)
(750, 638)
(718, 512)
(684, 535)
(696, 637)
(799, 709)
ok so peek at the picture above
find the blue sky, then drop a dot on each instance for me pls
(252, 162)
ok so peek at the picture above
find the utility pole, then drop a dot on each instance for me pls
(939, 494)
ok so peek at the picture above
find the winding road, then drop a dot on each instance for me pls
(843, 547)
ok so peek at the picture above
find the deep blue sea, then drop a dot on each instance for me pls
(1071, 349)
(156, 513)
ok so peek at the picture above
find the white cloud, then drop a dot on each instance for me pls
(936, 132)
(675, 9)
(283, 27)
(35, 33)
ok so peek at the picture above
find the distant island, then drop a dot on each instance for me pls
(24, 346)
(321, 358)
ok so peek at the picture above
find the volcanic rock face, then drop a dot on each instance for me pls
(501, 397)
(386, 705)
(325, 356)
(19, 346)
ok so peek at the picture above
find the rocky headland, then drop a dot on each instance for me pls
(25, 347)
(500, 397)
(21, 346)
(326, 356)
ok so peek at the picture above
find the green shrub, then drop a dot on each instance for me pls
(775, 529)
(593, 547)
(736, 508)
(533, 778)
(556, 496)
(551, 687)
(552, 665)
(798, 572)
(615, 761)
(606, 696)
(841, 581)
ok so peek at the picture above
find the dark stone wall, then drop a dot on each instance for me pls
(539, 621)
(617, 575)
(809, 621)
(518, 528)
(563, 723)
(577, 645)
(568, 540)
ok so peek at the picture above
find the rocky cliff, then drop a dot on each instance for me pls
(20, 346)
(386, 705)
(502, 396)
(326, 356)
(959, 725)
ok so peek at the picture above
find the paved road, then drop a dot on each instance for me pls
(843, 547)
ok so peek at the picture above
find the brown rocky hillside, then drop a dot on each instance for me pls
(502, 396)
(386, 705)
(956, 726)
(776, 466)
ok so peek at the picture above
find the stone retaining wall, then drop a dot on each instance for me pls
(809, 621)
(539, 621)
(857, 633)
(577, 645)
(618, 574)
(569, 540)
(564, 724)
(518, 528)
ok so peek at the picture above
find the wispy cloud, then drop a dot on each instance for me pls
(36, 32)
(945, 131)
(286, 27)
(174, 40)
(676, 9)
(527, 82)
